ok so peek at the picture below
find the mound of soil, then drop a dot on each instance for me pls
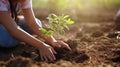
(93, 46)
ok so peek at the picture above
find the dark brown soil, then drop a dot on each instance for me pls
(95, 45)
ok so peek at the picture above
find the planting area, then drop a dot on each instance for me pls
(93, 45)
(92, 38)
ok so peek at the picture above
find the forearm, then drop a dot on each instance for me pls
(35, 26)
(21, 35)
(37, 30)
(17, 32)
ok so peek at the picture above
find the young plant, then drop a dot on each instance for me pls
(57, 24)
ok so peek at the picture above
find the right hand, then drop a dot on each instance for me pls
(47, 53)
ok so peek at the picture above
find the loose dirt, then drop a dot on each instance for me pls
(93, 45)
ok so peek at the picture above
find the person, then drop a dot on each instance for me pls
(117, 21)
(14, 30)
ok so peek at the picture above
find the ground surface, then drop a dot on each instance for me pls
(93, 45)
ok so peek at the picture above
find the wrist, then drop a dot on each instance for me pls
(51, 40)
(39, 44)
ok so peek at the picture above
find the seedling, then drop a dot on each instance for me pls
(57, 24)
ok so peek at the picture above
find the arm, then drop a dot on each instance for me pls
(45, 50)
(35, 27)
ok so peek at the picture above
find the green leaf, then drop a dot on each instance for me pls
(53, 26)
(44, 30)
(70, 21)
(66, 16)
(53, 15)
(49, 33)
(57, 24)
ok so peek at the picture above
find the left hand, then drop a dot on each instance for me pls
(61, 44)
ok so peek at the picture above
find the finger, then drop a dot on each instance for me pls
(54, 52)
(56, 44)
(51, 58)
(41, 57)
(64, 45)
(69, 48)
(45, 58)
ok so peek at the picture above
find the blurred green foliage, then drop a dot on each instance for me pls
(79, 10)
(79, 4)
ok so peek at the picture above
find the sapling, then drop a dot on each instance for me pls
(57, 25)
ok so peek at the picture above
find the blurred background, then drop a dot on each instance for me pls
(79, 10)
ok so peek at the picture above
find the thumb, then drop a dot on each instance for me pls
(65, 45)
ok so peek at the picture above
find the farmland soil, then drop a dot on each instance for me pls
(93, 45)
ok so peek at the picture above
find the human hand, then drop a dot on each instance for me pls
(47, 53)
(61, 44)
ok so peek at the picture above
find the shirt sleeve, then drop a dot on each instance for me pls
(3, 5)
(26, 4)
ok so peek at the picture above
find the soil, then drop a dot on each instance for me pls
(93, 45)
